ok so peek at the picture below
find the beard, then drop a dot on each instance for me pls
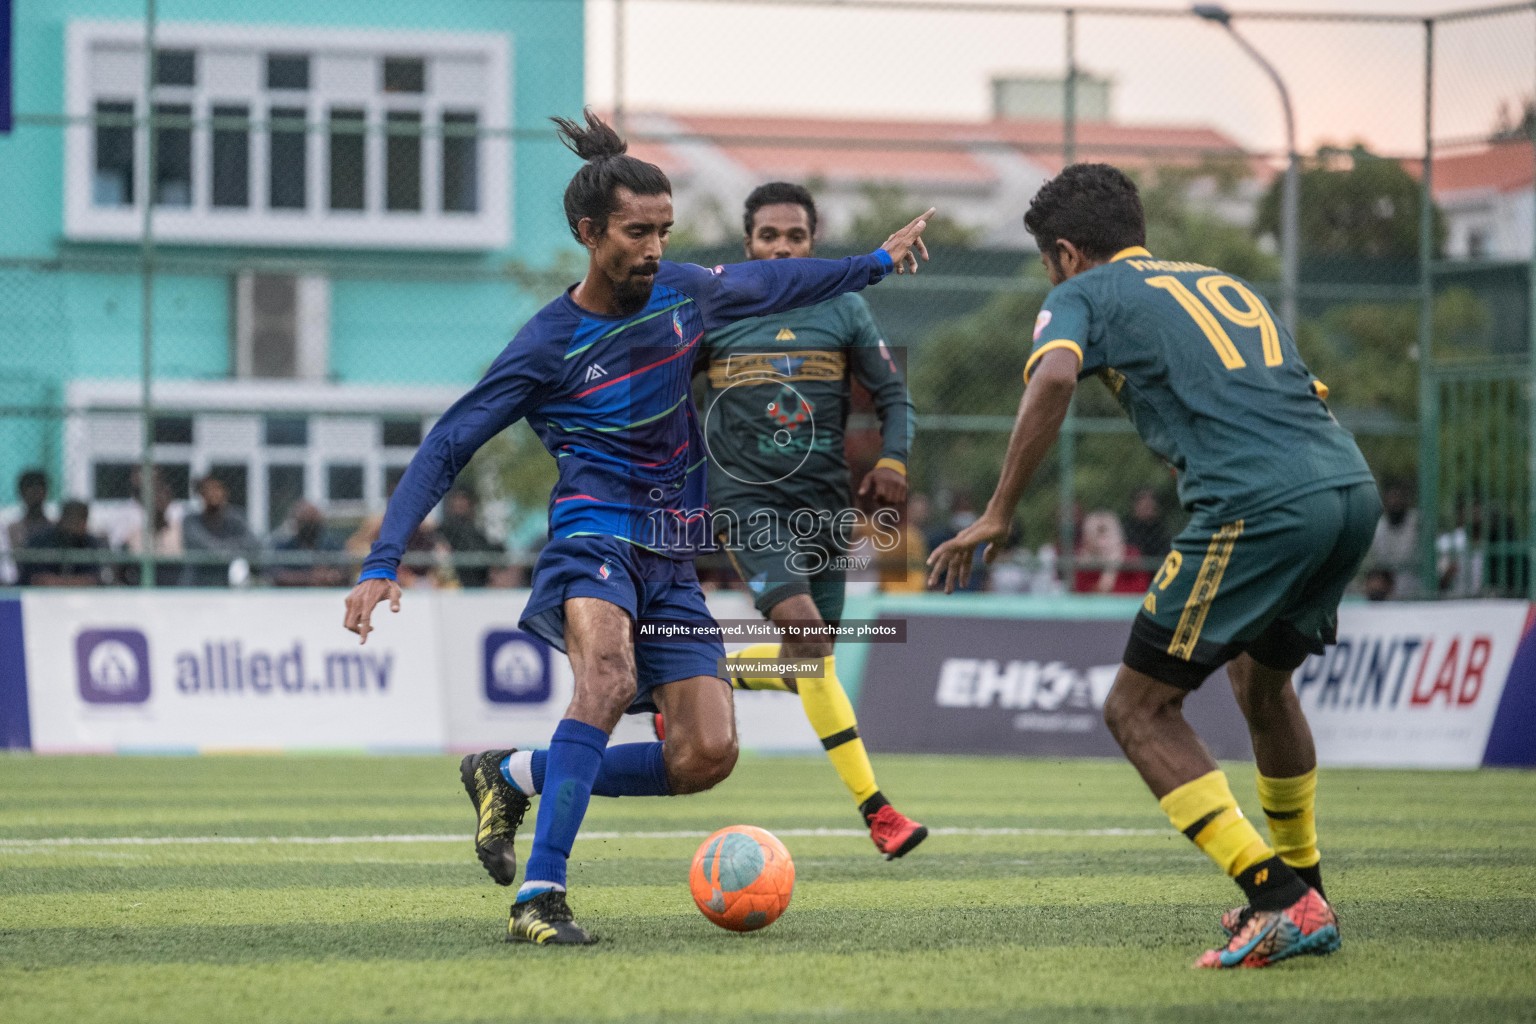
(632, 293)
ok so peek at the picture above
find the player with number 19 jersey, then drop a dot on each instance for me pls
(1245, 425)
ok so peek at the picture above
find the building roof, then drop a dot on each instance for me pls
(953, 152)
(1502, 167)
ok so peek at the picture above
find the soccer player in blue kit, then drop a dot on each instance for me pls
(602, 375)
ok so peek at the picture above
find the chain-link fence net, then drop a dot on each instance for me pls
(342, 215)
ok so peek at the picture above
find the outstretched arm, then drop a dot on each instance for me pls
(759, 287)
(508, 391)
(1041, 414)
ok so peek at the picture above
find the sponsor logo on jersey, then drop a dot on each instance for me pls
(1041, 322)
(603, 571)
(677, 326)
(789, 408)
(595, 371)
(785, 334)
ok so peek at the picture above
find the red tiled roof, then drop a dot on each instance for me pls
(1504, 167)
(920, 150)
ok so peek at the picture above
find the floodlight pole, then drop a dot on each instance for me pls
(146, 188)
(1290, 194)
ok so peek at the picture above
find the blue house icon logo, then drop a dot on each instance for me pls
(516, 668)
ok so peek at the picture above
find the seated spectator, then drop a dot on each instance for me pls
(905, 570)
(461, 530)
(1100, 555)
(1378, 585)
(1395, 548)
(1147, 529)
(169, 547)
(32, 489)
(217, 528)
(69, 534)
(305, 532)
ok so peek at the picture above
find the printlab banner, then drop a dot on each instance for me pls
(122, 671)
(1014, 686)
(1412, 685)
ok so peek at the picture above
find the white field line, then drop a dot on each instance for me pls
(792, 833)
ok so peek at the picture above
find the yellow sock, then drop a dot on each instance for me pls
(1206, 811)
(831, 715)
(1288, 805)
(755, 681)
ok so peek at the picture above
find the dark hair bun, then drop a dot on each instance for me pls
(596, 141)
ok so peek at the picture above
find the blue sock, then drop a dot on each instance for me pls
(575, 756)
(629, 769)
(632, 769)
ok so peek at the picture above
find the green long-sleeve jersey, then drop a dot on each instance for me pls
(776, 406)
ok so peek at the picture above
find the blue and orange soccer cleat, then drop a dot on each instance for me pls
(1264, 937)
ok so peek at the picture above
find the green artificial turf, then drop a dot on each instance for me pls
(1093, 915)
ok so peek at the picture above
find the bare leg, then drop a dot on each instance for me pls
(799, 610)
(700, 748)
(1147, 719)
(1282, 739)
(598, 640)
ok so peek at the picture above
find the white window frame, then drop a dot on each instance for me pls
(345, 426)
(490, 227)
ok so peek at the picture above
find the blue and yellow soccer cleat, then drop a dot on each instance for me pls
(499, 810)
(546, 921)
(1264, 937)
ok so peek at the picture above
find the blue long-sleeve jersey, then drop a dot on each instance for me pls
(609, 397)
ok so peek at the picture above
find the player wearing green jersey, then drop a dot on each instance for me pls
(1282, 512)
(775, 413)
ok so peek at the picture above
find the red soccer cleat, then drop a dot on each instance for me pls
(895, 834)
(1306, 927)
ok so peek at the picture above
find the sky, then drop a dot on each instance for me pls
(1349, 81)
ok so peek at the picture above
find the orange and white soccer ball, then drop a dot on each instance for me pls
(742, 878)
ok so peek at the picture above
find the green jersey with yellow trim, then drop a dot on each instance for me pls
(1210, 379)
(777, 401)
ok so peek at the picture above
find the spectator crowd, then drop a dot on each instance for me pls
(209, 543)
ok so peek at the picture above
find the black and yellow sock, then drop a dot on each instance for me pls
(1288, 807)
(756, 681)
(1206, 811)
(831, 715)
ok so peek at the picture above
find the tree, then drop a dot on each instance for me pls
(1354, 205)
(887, 207)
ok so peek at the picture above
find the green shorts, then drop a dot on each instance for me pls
(813, 567)
(1268, 584)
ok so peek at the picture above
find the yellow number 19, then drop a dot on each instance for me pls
(1253, 314)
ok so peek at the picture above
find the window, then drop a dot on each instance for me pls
(405, 74)
(231, 156)
(289, 136)
(287, 158)
(173, 154)
(348, 162)
(392, 475)
(461, 166)
(113, 182)
(175, 67)
(287, 71)
(173, 430)
(402, 433)
(286, 430)
(113, 480)
(403, 160)
(344, 482)
(285, 489)
(281, 329)
(177, 477)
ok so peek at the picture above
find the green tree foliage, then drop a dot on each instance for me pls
(1354, 205)
(888, 207)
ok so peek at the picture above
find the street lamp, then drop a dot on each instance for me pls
(1290, 202)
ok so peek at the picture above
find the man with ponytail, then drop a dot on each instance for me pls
(602, 375)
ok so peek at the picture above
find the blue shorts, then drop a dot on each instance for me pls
(652, 588)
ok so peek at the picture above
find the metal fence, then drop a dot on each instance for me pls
(328, 260)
